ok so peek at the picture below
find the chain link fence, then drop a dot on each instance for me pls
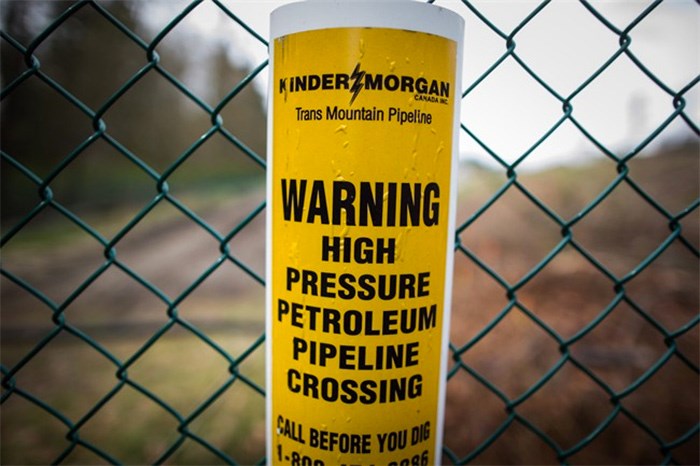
(132, 276)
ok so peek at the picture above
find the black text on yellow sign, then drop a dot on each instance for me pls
(360, 198)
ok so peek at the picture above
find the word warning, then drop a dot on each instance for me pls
(359, 224)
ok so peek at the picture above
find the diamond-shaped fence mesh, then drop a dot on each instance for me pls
(133, 241)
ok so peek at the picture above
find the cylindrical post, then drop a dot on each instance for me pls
(362, 152)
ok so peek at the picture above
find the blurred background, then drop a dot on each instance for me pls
(132, 213)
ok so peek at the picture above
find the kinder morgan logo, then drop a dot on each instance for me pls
(359, 80)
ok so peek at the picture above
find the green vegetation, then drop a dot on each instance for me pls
(180, 369)
(152, 127)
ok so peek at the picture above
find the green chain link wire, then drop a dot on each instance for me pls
(100, 132)
(110, 252)
(616, 398)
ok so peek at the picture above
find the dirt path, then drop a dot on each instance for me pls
(170, 253)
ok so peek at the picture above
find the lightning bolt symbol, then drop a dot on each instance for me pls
(357, 83)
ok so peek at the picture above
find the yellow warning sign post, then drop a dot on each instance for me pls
(364, 99)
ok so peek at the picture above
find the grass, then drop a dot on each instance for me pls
(180, 370)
